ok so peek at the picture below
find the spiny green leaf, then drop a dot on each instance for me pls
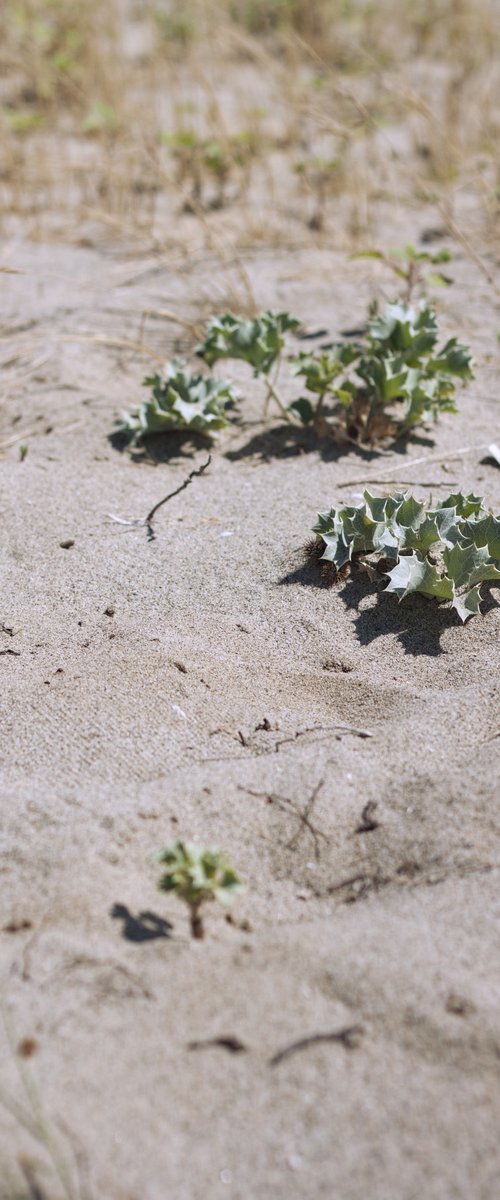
(320, 370)
(467, 565)
(464, 506)
(468, 605)
(413, 573)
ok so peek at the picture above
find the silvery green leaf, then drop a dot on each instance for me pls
(484, 532)
(467, 605)
(454, 359)
(467, 565)
(258, 341)
(407, 329)
(387, 375)
(413, 573)
(464, 506)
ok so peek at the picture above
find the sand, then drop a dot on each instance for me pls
(203, 685)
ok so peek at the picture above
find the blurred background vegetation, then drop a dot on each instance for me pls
(267, 120)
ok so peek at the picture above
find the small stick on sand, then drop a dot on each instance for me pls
(192, 475)
(148, 520)
(350, 1038)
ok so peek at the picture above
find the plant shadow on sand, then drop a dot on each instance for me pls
(161, 447)
(289, 441)
(418, 622)
(145, 927)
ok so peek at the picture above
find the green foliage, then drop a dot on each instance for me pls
(22, 121)
(259, 342)
(201, 159)
(101, 118)
(54, 46)
(399, 378)
(264, 16)
(381, 387)
(177, 27)
(408, 265)
(445, 552)
(196, 875)
(179, 400)
(321, 177)
(319, 371)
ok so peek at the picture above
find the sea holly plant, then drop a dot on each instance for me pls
(415, 268)
(197, 874)
(258, 341)
(382, 387)
(445, 552)
(180, 400)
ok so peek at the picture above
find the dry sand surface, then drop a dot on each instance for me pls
(121, 728)
(208, 684)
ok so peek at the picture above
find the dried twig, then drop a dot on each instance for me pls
(233, 1044)
(349, 1038)
(368, 823)
(303, 815)
(147, 522)
(192, 475)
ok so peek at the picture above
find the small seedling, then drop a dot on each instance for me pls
(258, 342)
(445, 552)
(197, 874)
(203, 160)
(399, 379)
(319, 371)
(409, 265)
(321, 177)
(179, 400)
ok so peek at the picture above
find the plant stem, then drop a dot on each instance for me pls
(197, 927)
(319, 406)
(272, 393)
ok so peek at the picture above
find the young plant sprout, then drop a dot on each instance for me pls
(319, 371)
(214, 159)
(398, 378)
(321, 177)
(197, 874)
(180, 400)
(409, 265)
(258, 341)
(445, 552)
